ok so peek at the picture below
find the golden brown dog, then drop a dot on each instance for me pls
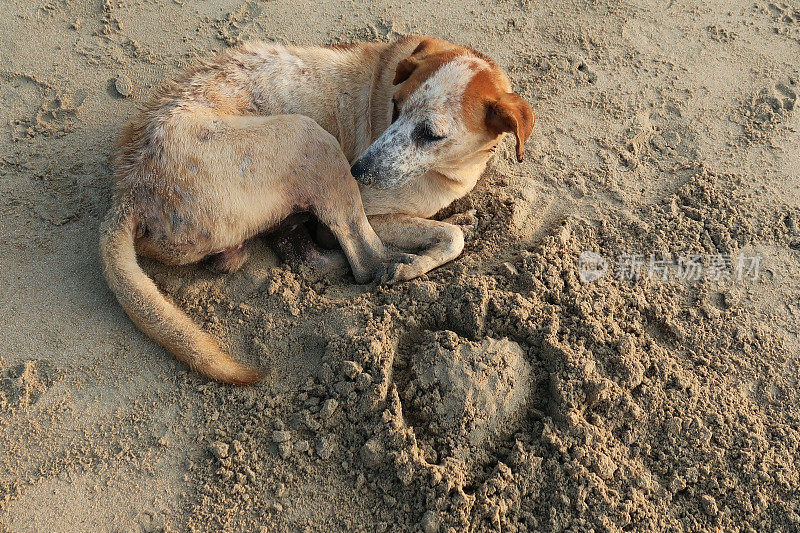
(235, 145)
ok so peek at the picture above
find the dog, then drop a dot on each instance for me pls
(372, 138)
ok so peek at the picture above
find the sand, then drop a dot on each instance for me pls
(509, 390)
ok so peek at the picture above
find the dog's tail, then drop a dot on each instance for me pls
(157, 317)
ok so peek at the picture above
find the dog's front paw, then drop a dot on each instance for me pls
(402, 267)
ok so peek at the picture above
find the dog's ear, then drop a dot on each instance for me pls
(511, 114)
(407, 66)
(404, 69)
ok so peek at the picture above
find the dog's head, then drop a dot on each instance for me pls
(450, 102)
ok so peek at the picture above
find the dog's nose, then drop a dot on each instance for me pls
(359, 171)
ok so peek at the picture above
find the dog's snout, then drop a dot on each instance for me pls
(359, 171)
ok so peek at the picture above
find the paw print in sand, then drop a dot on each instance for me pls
(21, 385)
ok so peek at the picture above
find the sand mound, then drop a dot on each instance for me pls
(462, 396)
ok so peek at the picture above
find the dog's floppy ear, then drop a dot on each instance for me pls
(511, 114)
(404, 69)
(407, 66)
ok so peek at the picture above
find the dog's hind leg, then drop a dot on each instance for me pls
(433, 242)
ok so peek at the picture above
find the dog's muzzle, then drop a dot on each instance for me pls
(362, 171)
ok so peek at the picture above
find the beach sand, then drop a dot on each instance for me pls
(499, 392)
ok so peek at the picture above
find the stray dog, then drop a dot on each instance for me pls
(240, 142)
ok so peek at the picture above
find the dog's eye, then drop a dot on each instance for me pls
(425, 134)
(395, 111)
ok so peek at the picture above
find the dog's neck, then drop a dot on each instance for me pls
(363, 115)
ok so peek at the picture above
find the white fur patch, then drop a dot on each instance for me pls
(440, 96)
(437, 104)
